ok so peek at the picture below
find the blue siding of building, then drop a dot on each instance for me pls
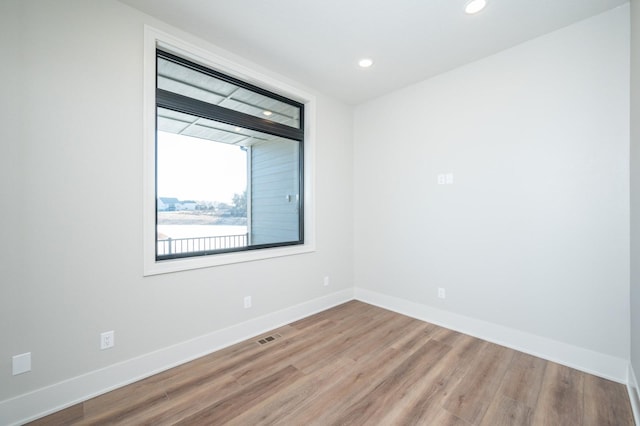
(274, 192)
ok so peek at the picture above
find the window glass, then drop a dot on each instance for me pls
(205, 86)
(222, 185)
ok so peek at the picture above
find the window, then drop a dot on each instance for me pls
(228, 164)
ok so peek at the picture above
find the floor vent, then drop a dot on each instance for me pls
(268, 339)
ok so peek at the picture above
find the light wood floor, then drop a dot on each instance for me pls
(357, 364)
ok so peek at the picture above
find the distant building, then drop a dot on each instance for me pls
(189, 205)
(169, 204)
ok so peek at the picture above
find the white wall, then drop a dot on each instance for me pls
(11, 179)
(534, 233)
(532, 236)
(635, 186)
(73, 266)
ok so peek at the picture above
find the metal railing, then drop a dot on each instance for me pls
(198, 244)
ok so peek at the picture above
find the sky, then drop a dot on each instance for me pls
(198, 169)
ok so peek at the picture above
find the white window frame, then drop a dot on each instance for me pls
(153, 39)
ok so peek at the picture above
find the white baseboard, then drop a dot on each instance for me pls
(44, 401)
(634, 396)
(582, 359)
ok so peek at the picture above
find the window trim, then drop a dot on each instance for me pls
(201, 53)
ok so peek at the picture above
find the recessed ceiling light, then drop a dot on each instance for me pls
(475, 6)
(365, 63)
(267, 113)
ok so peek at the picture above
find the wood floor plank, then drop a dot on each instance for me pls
(296, 349)
(424, 407)
(223, 411)
(387, 334)
(447, 336)
(617, 412)
(340, 343)
(561, 397)
(473, 394)
(360, 364)
(274, 408)
(399, 384)
(465, 348)
(280, 353)
(346, 391)
(505, 411)
(343, 392)
(130, 402)
(181, 405)
(523, 380)
(410, 340)
(461, 358)
(442, 418)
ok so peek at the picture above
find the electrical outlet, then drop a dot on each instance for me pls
(441, 293)
(247, 302)
(448, 178)
(445, 179)
(107, 340)
(21, 363)
(326, 281)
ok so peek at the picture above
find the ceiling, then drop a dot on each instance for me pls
(319, 43)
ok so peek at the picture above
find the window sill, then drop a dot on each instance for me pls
(177, 265)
